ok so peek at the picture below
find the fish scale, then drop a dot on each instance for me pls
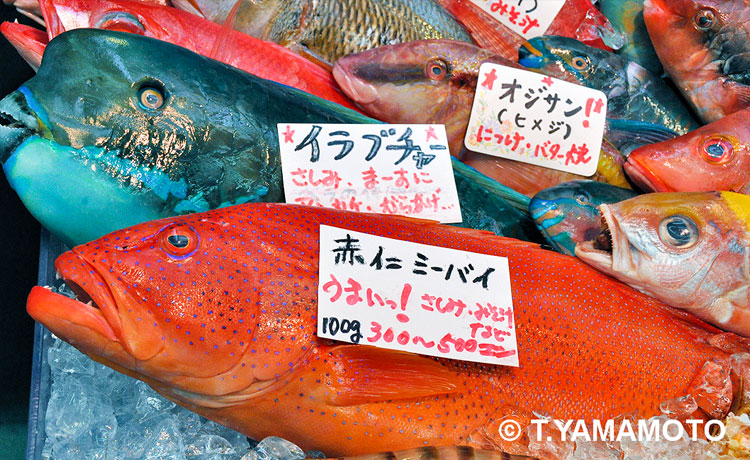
(326, 31)
(589, 348)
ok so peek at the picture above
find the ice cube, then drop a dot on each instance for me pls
(167, 442)
(280, 449)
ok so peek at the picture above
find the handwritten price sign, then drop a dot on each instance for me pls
(389, 169)
(533, 118)
(528, 18)
(415, 297)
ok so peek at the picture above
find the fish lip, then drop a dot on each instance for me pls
(17, 123)
(357, 90)
(643, 177)
(612, 263)
(93, 284)
(67, 309)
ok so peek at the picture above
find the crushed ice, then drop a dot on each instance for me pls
(96, 413)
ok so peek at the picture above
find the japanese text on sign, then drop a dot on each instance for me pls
(389, 169)
(528, 18)
(533, 118)
(415, 297)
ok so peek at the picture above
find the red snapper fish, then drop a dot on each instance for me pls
(713, 157)
(263, 59)
(704, 46)
(689, 250)
(217, 311)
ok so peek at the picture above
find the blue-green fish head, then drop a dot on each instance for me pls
(568, 213)
(571, 60)
(641, 108)
(115, 121)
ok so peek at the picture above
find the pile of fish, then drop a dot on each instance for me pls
(147, 142)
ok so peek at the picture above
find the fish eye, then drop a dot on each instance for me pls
(579, 63)
(717, 150)
(582, 199)
(436, 69)
(179, 241)
(122, 22)
(678, 232)
(151, 97)
(705, 19)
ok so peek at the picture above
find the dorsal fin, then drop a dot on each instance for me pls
(226, 30)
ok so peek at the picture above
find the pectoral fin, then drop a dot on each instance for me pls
(361, 374)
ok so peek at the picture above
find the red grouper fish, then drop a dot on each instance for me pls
(217, 311)
(713, 157)
(263, 59)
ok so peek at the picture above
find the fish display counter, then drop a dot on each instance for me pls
(385, 229)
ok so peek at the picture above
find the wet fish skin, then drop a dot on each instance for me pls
(243, 350)
(76, 147)
(713, 157)
(568, 213)
(689, 250)
(260, 58)
(703, 45)
(397, 83)
(332, 29)
(212, 143)
(633, 93)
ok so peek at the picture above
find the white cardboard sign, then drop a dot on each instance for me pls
(537, 119)
(389, 169)
(414, 297)
(528, 18)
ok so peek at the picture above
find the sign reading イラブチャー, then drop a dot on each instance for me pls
(414, 297)
(533, 118)
(388, 169)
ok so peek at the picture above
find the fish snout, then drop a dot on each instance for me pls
(17, 123)
(358, 90)
(538, 207)
(529, 56)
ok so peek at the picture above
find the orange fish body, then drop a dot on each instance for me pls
(217, 311)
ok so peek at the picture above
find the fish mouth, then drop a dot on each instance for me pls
(17, 123)
(608, 251)
(642, 176)
(357, 89)
(92, 309)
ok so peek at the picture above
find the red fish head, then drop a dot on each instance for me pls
(177, 301)
(713, 157)
(425, 81)
(673, 27)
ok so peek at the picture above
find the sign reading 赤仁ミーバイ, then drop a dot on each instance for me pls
(414, 297)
